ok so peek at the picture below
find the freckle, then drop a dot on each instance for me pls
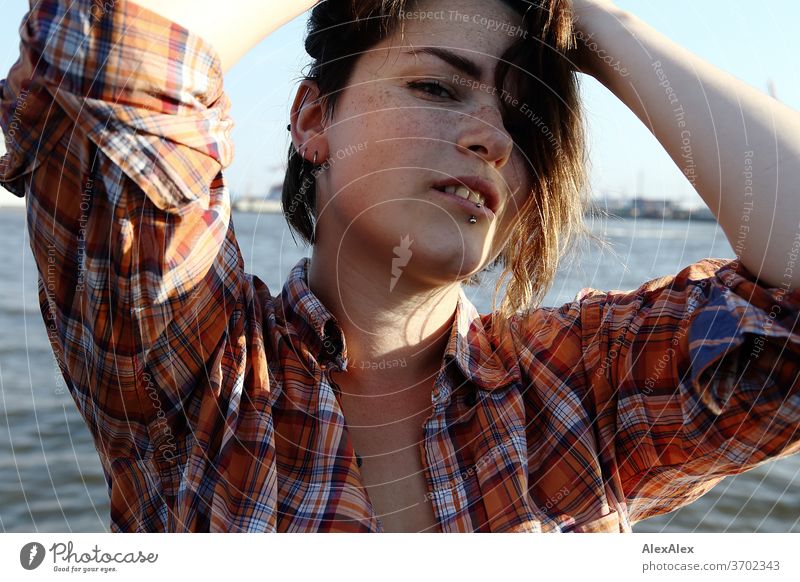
(381, 98)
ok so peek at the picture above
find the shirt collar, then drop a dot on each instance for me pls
(477, 351)
(471, 344)
(317, 328)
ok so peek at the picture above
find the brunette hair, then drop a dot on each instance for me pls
(536, 71)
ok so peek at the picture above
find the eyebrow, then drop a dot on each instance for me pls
(463, 64)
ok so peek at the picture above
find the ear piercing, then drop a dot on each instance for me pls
(303, 155)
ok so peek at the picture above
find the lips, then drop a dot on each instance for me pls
(472, 188)
(465, 193)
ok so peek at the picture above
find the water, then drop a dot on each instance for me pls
(50, 475)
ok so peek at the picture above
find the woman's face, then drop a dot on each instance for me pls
(396, 135)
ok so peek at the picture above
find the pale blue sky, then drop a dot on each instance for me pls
(751, 40)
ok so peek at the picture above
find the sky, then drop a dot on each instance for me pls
(747, 39)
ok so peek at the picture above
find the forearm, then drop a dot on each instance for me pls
(737, 146)
(232, 27)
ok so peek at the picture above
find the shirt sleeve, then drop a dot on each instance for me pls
(693, 377)
(117, 132)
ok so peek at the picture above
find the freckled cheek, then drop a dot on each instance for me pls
(373, 177)
(410, 120)
(405, 142)
(432, 123)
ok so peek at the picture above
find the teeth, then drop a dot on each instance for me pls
(477, 198)
(466, 193)
(462, 192)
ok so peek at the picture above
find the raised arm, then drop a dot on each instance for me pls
(118, 133)
(234, 27)
(669, 387)
(739, 148)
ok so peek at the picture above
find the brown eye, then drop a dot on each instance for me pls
(433, 88)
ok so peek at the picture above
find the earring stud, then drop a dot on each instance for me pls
(472, 219)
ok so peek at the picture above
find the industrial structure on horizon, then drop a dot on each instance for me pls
(639, 207)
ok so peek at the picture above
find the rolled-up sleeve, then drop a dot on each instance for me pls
(117, 130)
(694, 377)
(145, 90)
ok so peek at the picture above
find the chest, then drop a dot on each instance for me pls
(463, 468)
(395, 481)
(390, 441)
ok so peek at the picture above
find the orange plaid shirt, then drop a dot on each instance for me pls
(209, 397)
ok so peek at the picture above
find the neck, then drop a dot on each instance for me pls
(403, 331)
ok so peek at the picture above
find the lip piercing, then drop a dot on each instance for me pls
(472, 219)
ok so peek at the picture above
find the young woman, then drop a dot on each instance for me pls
(430, 140)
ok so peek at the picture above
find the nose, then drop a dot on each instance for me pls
(483, 134)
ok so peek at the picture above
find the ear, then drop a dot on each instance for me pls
(307, 128)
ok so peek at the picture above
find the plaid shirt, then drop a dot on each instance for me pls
(209, 398)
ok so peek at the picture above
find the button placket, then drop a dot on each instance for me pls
(328, 375)
(432, 465)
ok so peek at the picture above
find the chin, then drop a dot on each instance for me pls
(448, 267)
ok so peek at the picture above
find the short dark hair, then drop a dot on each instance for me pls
(534, 69)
